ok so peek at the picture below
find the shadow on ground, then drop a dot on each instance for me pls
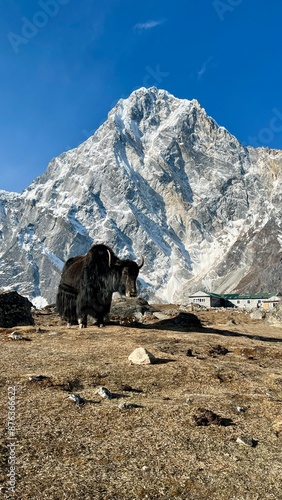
(185, 322)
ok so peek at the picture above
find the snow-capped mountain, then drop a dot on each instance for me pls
(160, 179)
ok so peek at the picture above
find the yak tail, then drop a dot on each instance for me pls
(66, 303)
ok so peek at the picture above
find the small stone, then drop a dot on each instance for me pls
(189, 401)
(145, 468)
(208, 417)
(128, 388)
(39, 330)
(189, 353)
(104, 393)
(240, 409)
(37, 378)
(247, 441)
(218, 350)
(138, 316)
(15, 336)
(128, 406)
(77, 399)
(141, 356)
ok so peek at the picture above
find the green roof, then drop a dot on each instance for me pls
(260, 295)
(233, 296)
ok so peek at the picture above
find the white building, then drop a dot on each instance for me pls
(242, 301)
(206, 299)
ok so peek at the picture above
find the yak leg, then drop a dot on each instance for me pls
(66, 304)
(82, 322)
(81, 311)
(100, 320)
(104, 310)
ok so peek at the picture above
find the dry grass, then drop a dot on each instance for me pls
(97, 451)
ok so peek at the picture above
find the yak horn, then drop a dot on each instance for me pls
(142, 262)
(110, 257)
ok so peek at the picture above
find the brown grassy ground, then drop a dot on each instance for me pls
(155, 451)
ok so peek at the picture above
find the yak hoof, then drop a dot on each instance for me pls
(101, 325)
(81, 325)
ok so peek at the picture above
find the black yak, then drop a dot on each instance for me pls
(88, 282)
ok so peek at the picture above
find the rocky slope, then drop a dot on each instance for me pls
(161, 179)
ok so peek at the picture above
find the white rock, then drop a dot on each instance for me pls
(257, 314)
(161, 315)
(141, 356)
(77, 399)
(16, 336)
(240, 409)
(247, 441)
(104, 393)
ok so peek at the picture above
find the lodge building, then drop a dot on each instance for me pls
(244, 301)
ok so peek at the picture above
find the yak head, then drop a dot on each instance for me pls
(126, 273)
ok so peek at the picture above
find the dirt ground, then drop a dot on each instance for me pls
(207, 422)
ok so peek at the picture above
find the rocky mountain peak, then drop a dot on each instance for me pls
(159, 178)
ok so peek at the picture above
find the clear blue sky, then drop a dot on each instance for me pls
(64, 64)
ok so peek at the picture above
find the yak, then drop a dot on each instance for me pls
(88, 282)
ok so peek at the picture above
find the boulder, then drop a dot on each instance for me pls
(128, 310)
(141, 356)
(257, 314)
(15, 310)
(274, 315)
